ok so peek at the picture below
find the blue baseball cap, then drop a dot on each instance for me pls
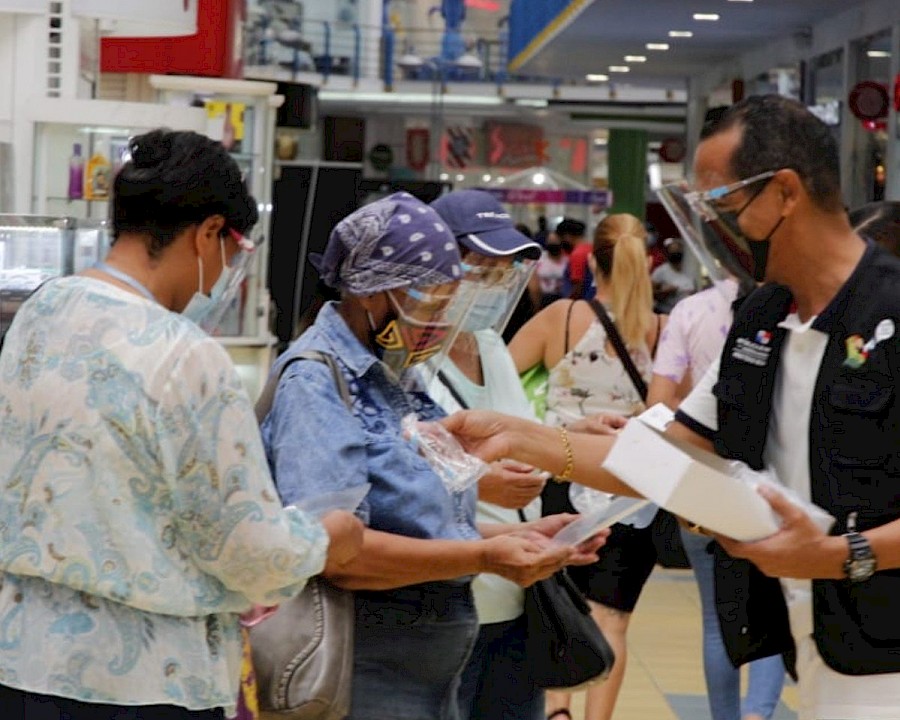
(481, 225)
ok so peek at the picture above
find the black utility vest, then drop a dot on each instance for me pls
(853, 438)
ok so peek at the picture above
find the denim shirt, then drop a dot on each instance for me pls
(315, 445)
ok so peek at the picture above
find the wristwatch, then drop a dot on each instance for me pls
(860, 565)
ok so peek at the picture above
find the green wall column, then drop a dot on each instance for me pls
(627, 161)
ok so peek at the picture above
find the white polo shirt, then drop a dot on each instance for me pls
(824, 693)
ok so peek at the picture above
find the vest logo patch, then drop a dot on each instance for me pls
(858, 351)
(754, 353)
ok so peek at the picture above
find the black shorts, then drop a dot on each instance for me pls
(626, 560)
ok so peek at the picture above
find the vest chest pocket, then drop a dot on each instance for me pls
(862, 419)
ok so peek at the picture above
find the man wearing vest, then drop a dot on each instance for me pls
(808, 385)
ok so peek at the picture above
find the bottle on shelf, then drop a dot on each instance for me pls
(229, 135)
(76, 173)
(98, 177)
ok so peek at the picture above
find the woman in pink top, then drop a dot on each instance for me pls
(691, 342)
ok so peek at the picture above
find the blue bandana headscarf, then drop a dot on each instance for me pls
(395, 242)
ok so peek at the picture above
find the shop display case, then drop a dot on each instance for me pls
(79, 148)
(35, 248)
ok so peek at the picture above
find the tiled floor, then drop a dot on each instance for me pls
(664, 677)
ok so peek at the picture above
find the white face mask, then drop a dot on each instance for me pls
(487, 310)
(201, 306)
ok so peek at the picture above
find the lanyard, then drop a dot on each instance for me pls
(127, 279)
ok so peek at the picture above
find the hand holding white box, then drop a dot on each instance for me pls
(717, 494)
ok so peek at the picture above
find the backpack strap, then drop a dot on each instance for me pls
(267, 396)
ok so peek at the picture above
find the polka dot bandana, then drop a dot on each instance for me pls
(394, 242)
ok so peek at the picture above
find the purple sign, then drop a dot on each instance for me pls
(523, 196)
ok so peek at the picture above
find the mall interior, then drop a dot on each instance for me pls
(561, 108)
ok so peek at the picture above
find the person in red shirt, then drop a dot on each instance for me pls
(580, 279)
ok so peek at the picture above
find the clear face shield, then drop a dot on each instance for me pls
(423, 328)
(228, 294)
(495, 285)
(709, 225)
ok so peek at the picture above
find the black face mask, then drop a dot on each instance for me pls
(757, 247)
(566, 245)
(554, 250)
(374, 332)
(676, 257)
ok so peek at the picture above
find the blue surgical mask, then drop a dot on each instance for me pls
(487, 310)
(200, 306)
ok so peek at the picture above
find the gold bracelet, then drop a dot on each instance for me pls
(566, 474)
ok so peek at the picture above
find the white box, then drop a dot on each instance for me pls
(694, 484)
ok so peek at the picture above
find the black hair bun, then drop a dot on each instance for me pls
(151, 149)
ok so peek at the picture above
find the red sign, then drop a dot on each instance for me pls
(214, 51)
(418, 153)
(516, 145)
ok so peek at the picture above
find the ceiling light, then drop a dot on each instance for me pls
(878, 53)
(712, 17)
(501, 179)
(595, 77)
(443, 177)
(538, 178)
(680, 33)
(657, 46)
(460, 178)
(635, 58)
(619, 68)
(485, 178)
(601, 141)
(531, 102)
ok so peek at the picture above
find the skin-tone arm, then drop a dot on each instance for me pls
(528, 346)
(389, 561)
(665, 390)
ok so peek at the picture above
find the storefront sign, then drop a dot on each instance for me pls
(523, 196)
(417, 151)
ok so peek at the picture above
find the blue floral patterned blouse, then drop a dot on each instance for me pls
(138, 516)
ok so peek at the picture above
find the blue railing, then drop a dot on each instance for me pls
(358, 52)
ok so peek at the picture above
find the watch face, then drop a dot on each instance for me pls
(861, 569)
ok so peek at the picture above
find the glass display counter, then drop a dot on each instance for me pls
(36, 248)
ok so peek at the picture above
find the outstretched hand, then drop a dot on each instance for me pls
(482, 433)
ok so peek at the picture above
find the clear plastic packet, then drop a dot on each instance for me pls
(619, 509)
(454, 466)
(767, 478)
(596, 503)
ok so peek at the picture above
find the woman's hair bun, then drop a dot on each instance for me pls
(151, 149)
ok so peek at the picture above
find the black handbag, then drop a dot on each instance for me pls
(564, 645)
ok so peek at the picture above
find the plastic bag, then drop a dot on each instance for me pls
(599, 504)
(454, 466)
(767, 478)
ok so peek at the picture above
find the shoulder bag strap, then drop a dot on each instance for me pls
(613, 334)
(659, 318)
(568, 322)
(442, 376)
(267, 396)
